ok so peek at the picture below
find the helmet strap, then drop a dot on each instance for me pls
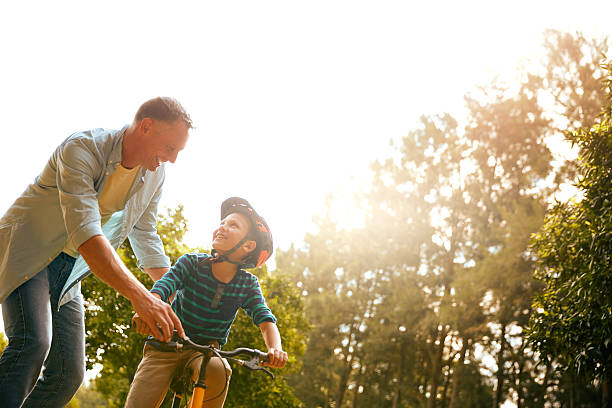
(216, 257)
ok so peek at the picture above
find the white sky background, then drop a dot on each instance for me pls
(291, 99)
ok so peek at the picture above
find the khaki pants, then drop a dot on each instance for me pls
(157, 368)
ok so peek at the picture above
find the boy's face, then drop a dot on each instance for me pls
(232, 229)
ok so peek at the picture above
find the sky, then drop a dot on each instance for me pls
(291, 100)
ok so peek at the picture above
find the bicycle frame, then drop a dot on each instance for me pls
(208, 351)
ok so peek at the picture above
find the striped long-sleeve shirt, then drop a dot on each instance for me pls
(204, 317)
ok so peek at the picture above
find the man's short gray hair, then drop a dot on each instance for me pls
(165, 109)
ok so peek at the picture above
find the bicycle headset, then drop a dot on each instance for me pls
(258, 232)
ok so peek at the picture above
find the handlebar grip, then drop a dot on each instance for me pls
(264, 357)
(161, 346)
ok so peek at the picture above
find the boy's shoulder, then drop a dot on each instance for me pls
(194, 259)
(246, 276)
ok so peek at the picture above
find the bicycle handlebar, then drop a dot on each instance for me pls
(177, 344)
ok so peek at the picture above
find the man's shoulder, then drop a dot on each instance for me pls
(93, 141)
(98, 135)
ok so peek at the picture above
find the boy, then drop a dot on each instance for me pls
(209, 290)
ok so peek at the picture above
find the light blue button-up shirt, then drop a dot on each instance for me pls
(61, 207)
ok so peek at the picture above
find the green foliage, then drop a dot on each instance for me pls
(254, 389)
(87, 397)
(3, 342)
(573, 322)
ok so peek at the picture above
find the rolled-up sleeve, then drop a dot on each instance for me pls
(146, 243)
(76, 169)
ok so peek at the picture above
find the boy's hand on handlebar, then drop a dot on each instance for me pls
(276, 358)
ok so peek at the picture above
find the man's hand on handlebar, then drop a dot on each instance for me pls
(157, 319)
(140, 325)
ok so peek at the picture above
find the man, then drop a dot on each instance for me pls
(99, 187)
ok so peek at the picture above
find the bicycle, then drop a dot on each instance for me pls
(182, 382)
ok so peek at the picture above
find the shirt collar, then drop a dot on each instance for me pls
(115, 156)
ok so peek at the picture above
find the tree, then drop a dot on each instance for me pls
(572, 76)
(573, 319)
(442, 270)
(508, 137)
(252, 389)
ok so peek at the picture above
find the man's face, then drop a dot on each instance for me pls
(164, 141)
(232, 229)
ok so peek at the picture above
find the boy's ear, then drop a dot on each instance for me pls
(249, 245)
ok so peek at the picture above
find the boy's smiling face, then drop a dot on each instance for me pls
(232, 229)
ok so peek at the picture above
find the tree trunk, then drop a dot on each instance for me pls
(400, 378)
(359, 381)
(436, 365)
(343, 381)
(545, 383)
(500, 367)
(572, 391)
(447, 381)
(457, 375)
(519, 390)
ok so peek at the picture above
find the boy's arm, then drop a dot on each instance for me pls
(271, 336)
(167, 281)
(156, 273)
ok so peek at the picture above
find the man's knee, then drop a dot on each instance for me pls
(21, 364)
(74, 378)
(31, 348)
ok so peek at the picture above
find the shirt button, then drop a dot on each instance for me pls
(26, 278)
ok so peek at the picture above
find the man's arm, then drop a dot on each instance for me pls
(271, 336)
(146, 242)
(106, 265)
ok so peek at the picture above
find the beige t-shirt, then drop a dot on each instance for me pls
(113, 197)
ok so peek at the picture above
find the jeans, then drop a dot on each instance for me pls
(41, 335)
